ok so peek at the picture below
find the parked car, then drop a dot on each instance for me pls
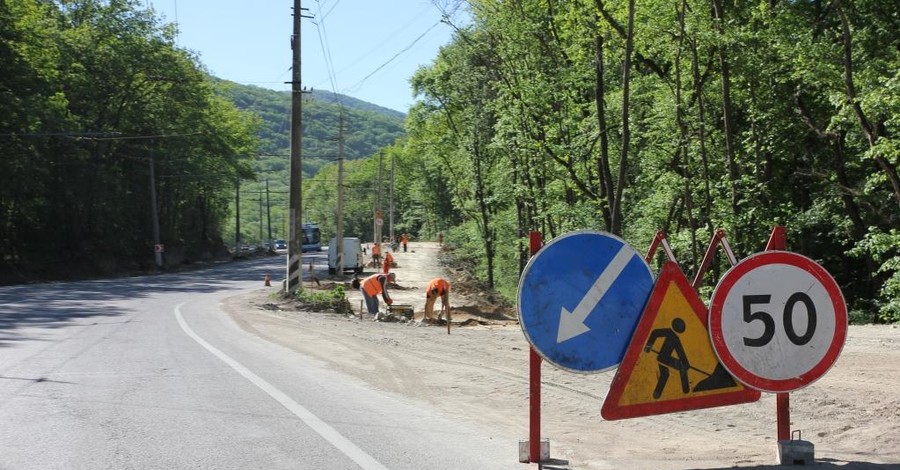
(353, 255)
(280, 245)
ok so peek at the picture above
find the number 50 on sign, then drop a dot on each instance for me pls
(777, 321)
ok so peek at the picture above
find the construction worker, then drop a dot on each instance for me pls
(388, 262)
(376, 254)
(374, 285)
(404, 239)
(437, 287)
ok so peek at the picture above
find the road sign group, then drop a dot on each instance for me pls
(587, 303)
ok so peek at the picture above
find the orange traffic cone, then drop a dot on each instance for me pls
(268, 279)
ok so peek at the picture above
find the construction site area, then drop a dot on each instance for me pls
(478, 371)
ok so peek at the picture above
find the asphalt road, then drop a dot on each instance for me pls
(149, 373)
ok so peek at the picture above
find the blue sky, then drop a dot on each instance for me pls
(373, 47)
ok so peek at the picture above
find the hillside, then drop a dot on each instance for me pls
(367, 127)
(264, 202)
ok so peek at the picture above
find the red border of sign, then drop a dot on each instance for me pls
(716, 306)
(611, 410)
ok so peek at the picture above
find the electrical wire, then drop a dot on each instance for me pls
(359, 84)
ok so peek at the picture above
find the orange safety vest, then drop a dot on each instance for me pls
(440, 284)
(372, 285)
(376, 249)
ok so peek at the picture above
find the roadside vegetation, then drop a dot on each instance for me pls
(632, 117)
(539, 115)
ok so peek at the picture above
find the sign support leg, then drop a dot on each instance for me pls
(534, 372)
(534, 422)
(783, 413)
(782, 400)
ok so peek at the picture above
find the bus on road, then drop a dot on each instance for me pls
(311, 238)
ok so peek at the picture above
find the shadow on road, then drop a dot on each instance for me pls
(58, 304)
(823, 464)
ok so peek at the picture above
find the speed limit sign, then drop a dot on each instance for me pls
(777, 321)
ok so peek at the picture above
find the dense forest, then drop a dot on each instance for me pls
(685, 116)
(113, 139)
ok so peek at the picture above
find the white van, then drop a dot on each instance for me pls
(353, 255)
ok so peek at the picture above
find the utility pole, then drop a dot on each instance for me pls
(379, 213)
(391, 207)
(339, 235)
(157, 246)
(269, 216)
(260, 217)
(295, 249)
(237, 217)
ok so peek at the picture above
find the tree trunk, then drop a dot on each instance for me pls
(626, 130)
(733, 172)
(606, 182)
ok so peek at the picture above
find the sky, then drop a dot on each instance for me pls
(366, 49)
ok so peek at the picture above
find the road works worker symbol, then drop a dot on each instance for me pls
(670, 364)
(580, 298)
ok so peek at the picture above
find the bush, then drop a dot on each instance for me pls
(319, 301)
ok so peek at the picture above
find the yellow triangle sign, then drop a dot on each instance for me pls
(670, 364)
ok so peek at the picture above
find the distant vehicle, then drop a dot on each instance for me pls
(312, 238)
(353, 256)
(280, 245)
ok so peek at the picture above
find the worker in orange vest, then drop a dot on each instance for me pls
(376, 254)
(388, 261)
(374, 285)
(437, 287)
(404, 239)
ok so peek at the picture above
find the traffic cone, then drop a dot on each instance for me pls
(268, 279)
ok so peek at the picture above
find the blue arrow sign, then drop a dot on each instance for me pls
(580, 299)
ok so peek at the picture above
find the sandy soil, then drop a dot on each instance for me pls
(479, 372)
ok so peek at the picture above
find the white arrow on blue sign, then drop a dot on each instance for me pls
(580, 299)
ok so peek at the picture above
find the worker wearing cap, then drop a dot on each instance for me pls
(437, 287)
(374, 285)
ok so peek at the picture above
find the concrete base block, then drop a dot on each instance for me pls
(795, 452)
(524, 448)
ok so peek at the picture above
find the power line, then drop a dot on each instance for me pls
(361, 82)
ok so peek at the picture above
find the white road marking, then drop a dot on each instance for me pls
(330, 434)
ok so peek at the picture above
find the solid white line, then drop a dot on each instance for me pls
(331, 435)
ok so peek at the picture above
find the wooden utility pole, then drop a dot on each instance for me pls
(237, 217)
(157, 252)
(269, 216)
(260, 217)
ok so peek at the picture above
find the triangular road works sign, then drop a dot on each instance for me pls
(670, 364)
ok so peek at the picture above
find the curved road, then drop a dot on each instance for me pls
(149, 373)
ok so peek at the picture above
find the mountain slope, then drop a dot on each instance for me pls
(367, 127)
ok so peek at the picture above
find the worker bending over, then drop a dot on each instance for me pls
(437, 287)
(374, 285)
